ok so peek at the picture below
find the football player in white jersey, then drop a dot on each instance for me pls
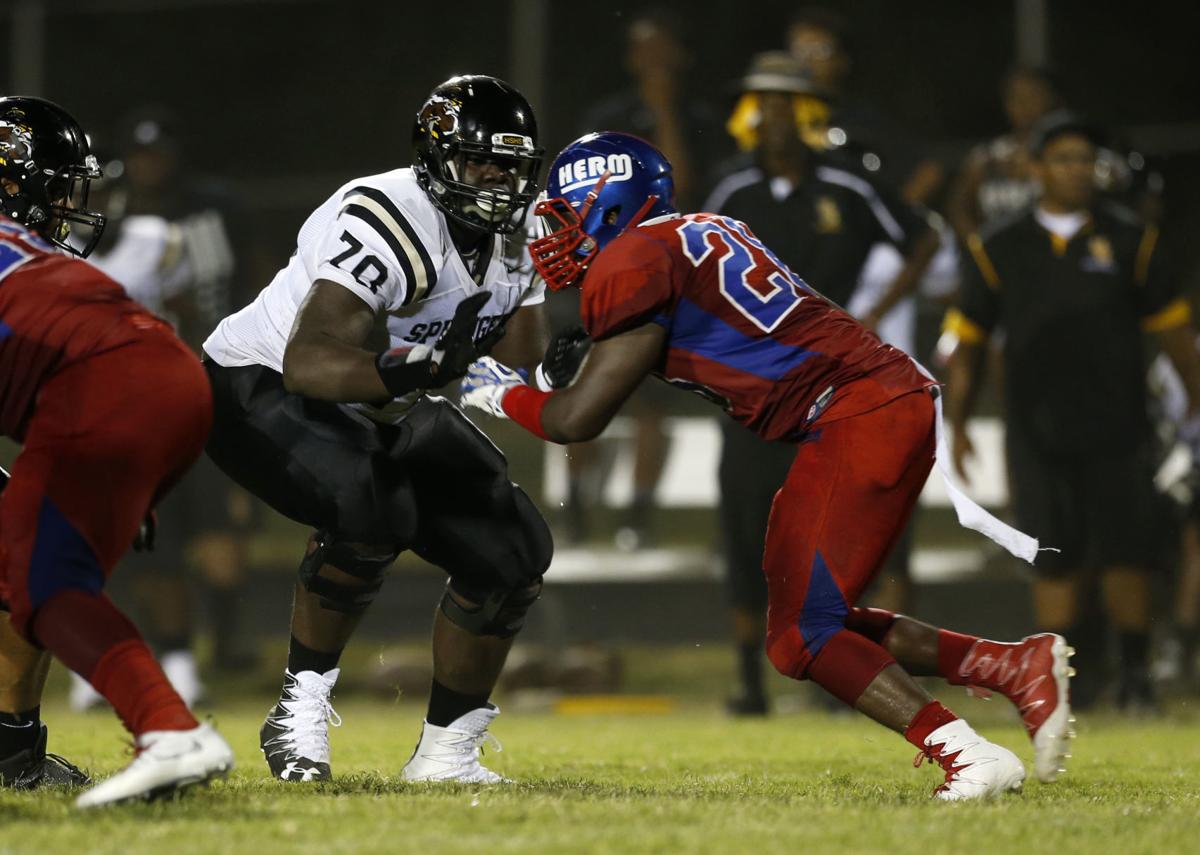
(399, 281)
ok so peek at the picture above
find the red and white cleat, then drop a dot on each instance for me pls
(1035, 675)
(975, 768)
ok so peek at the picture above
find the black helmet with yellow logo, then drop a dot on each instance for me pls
(465, 124)
(46, 169)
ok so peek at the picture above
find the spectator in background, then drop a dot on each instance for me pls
(996, 179)
(1178, 480)
(1074, 283)
(168, 245)
(659, 108)
(822, 221)
(820, 39)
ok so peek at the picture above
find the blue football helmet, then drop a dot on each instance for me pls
(599, 186)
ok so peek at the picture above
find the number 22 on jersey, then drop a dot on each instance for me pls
(750, 276)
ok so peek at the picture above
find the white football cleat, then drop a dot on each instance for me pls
(167, 761)
(451, 753)
(975, 768)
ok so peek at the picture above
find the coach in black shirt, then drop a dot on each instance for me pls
(822, 220)
(1075, 284)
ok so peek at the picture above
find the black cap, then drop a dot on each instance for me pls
(779, 71)
(1057, 123)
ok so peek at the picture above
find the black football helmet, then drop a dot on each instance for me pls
(465, 123)
(45, 153)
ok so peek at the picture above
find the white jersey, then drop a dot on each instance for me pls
(381, 238)
(148, 260)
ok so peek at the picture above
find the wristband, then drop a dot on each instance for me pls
(523, 404)
(401, 376)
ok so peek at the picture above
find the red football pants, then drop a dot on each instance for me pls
(846, 500)
(109, 436)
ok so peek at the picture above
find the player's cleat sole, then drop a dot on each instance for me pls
(1052, 739)
(168, 761)
(452, 753)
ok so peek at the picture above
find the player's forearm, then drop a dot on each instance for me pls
(562, 417)
(962, 206)
(329, 370)
(909, 277)
(566, 418)
(962, 383)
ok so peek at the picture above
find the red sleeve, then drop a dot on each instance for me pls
(630, 283)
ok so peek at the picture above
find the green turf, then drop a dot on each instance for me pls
(688, 782)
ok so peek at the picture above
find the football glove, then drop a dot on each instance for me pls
(486, 383)
(404, 369)
(563, 360)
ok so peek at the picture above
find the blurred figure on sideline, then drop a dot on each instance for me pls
(168, 244)
(1074, 283)
(821, 40)
(996, 178)
(659, 108)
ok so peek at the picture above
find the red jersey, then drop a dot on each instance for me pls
(54, 310)
(742, 329)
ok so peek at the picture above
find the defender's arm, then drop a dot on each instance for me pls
(613, 370)
(580, 412)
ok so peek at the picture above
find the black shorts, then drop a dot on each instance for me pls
(1099, 511)
(434, 483)
(751, 472)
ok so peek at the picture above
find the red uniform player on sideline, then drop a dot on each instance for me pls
(699, 301)
(111, 409)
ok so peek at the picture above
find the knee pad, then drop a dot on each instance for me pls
(353, 559)
(499, 612)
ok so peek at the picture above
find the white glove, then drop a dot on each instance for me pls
(486, 383)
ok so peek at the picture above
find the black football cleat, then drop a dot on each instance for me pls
(33, 768)
(295, 737)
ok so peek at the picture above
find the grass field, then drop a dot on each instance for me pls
(687, 781)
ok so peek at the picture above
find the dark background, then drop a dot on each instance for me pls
(287, 98)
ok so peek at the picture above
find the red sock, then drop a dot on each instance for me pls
(847, 664)
(79, 628)
(930, 717)
(953, 648)
(90, 636)
(964, 660)
(130, 678)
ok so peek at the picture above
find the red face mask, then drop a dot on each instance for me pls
(563, 254)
